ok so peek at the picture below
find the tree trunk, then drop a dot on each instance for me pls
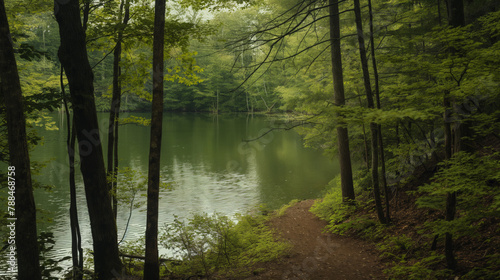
(114, 112)
(151, 264)
(373, 126)
(347, 185)
(73, 56)
(382, 173)
(380, 136)
(365, 141)
(24, 215)
(76, 237)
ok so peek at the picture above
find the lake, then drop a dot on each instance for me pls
(204, 159)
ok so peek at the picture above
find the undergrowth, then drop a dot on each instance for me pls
(216, 244)
(408, 246)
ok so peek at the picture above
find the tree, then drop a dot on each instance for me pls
(377, 96)
(25, 211)
(76, 237)
(114, 113)
(338, 85)
(300, 23)
(373, 125)
(74, 59)
(151, 264)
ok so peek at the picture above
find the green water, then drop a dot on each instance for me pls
(203, 157)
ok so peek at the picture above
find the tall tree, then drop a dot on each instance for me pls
(377, 95)
(151, 264)
(25, 210)
(338, 89)
(114, 114)
(373, 125)
(76, 237)
(74, 59)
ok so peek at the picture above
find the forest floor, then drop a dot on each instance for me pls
(316, 254)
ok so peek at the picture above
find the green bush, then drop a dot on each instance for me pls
(395, 246)
(422, 269)
(343, 217)
(492, 271)
(209, 244)
(331, 203)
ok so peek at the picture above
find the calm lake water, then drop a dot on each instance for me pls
(204, 158)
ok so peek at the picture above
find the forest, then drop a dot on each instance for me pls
(404, 95)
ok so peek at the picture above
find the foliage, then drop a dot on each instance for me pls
(492, 271)
(471, 176)
(135, 120)
(394, 244)
(416, 270)
(135, 247)
(331, 204)
(407, 262)
(223, 65)
(345, 218)
(209, 244)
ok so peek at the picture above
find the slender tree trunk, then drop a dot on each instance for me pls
(347, 185)
(24, 217)
(115, 164)
(76, 238)
(380, 136)
(112, 171)
(73, 56)
(365, 145)
(151, 264)
(365, 142)
(373, 126)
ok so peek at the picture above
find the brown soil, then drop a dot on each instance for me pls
(315, 254)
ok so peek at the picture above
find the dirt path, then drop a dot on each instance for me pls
(316, 255)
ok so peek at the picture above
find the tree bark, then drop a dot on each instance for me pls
(347, 185)
(73, 56)
(380, 136)
(114, 112)
(373, 126)
(151, 263)
(25, 211)
(76, 237)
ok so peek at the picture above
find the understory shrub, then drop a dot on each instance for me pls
(209, 244)
(342, 217)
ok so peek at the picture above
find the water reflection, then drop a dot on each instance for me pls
(204, 158)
